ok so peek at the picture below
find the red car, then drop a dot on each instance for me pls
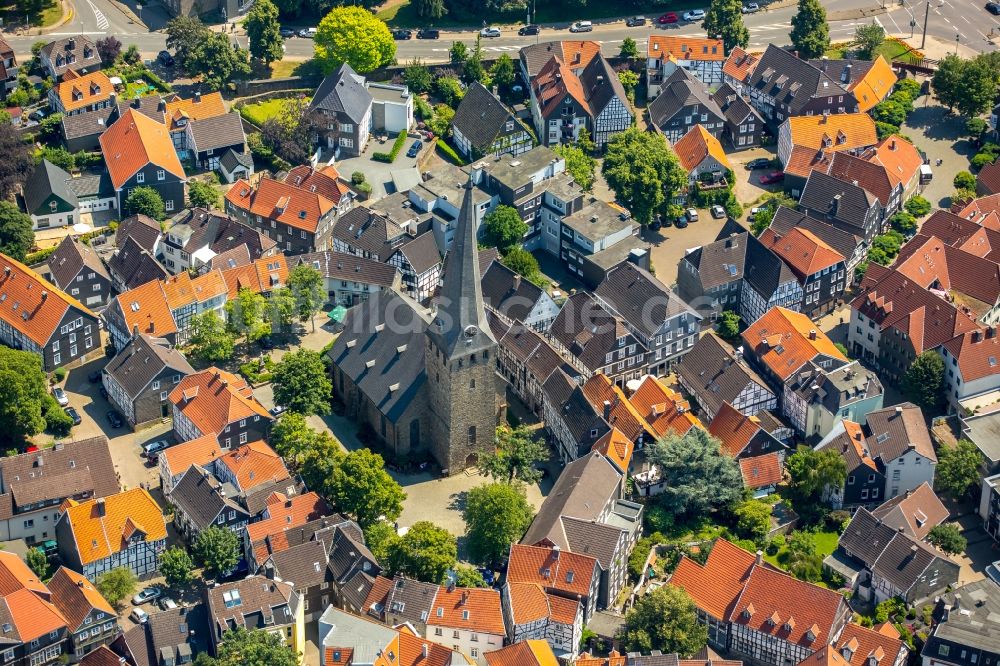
(669, 17)
(773, 177)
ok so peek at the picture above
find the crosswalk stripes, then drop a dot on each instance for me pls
(102, 20)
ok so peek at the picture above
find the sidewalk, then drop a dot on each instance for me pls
(936, 48)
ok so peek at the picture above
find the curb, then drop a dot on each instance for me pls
(130, 15)
(66, 17)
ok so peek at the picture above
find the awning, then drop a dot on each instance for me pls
(337, 314)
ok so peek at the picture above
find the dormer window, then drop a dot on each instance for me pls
(53, 205)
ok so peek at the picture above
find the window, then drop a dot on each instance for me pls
(163, 396)
(475, 653)
(472, 434)
(243, 438)
(161, 174)
(168, 205)
(29, 524)
(140, 177)
(8, 655)
(454, 634)
(74, 292)
(156, 384)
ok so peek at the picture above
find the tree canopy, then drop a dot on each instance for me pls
(924, 381)
(210, 341)
(360, 487)
(17, 164)
(301, 383)
(176, 566)
(144, 200)
(204, 194)
(23, 390)
(579, 164)
(812, 471)
(503, 228)
(643, 172)
(699, 477)
(245, 315)
(948, 537)
(957, 470)
(217, 549)
(240, 647)
(724, 20)
(426, 552)
(309, 288)
(496, 515)
(810, 32)
(353, 35)
(117, 585)
(970, 85)
(264, 32)
(868, 38)
(16, 233)
(665, 620)
(515, 453)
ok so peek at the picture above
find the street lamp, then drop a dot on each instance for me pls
(958, 39)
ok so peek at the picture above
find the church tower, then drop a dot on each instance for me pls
(460, 355)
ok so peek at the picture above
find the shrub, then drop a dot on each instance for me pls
(60, 374)
(422, 109)
(885, 129)
(391, 156)
(357, 177)
(909, 86)
(964, 181)
(449, 152)
(253, 373)
(40, 256)
(981, 159)
(57, 421)
(917, 206)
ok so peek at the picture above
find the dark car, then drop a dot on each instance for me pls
(635, 21)
(758, 163)
(104, 392)
(529, 30)
(114, 420)
(73, 414)
(400, 33)
(681, 222)
(287, 32)
(773, 177)
(165, 58)
(414, 149)
(428, 33)
(94, 377)
(993, 8)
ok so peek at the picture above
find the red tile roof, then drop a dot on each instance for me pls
(146, 307)
(624, 416)
(15, 575)
(200, 451)
(32, 305)
(285, 513)
(686, 48)
(553, 83)
(135, 140)
(762, 471)
(213, 398)
(280, 201)
(733, 428)
(740, 64)
(663, 409)
(617, 448)
(529, 602)
(254, 464)
(75, 597)
(532, 652)
(472, 609)
(977, 352)
(613, 659)
(552, 569)
(988, 179)
(802, 250)
(785, 340)
(899, 157)
(696, 145)
(863, 643)
(716, 585)
(32, 617)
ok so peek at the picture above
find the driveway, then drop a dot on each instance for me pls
(670, 244)
(748, 188)
(379, 174)
(939, 135)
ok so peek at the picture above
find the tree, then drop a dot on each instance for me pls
(430, 9)
(17, 163)
(903, 222)
(255, 648)
(217, 61)
(917, 206)
(301, 383)
(361, 488)
(579, 164)
(291, 435)
(948, 538)
(496, 515)
(802, 560)
(811, 471)
(503, 73)
(699, 477)
(957, 470)
(16, 234)
(964, 180)
(426, 552)
(210, 341)
(144, 200)
(472, 69)
(977, 89)
(643, 172)
(449, 90)
(458, 53)
(975, 128)
(629, 81)
(109, 49)
(753, 519)
(729, 325)
(417, 77)
(629, 49)
(317, 463)
(185, 34)
(245, 315)
(947, 80)
(132, 56)
(282, 309)
(665, 620)
(379, 537)
(724, 20)
(217, 549)
(356, 36)
(117, 585)
(523, 263)
(890, 113)
(514, 456)
(38, 562)
(810, 32)
(176, 566)
(762, 219)
(503, 228)
(466, 576)
(203, 194)
(309, 289)
(924, 380)
(23, 388)
(264, 32)
(868, 38)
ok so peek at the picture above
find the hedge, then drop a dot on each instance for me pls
(38, 257)
(450, 152)
(391, 156)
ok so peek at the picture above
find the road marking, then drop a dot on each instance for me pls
(102, 20)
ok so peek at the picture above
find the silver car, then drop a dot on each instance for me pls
(60, 396)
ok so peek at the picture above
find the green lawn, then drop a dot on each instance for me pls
(285, 68)
(826, 543)
(50, 13)
(261, 112)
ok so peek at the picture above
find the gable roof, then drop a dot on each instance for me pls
(793, 82)
(145, 308)
(141, 361)
(900, 158)
(715, 374)
(620, 412)
(843, 242)
(664, 409)
(835, 132)
(45, 181)
(639, 298)
(343, 91)
(871, 81)
(199, 451)
(694, 147)
(740, 64)
(531, 652)
(471, 609)
(575, 53)
(721, 261)
(988, 179)
(858, 644)
(600, 85)
(217, 132)
(976, 353)
(734, 429)
(200, 106)
(70, 258)
(481, 116)
(785, 340)
(680, 90)
(78, 91)
(716, 585)
(213, 398)
(134, 141)
(141, 229)
(869, 174)
(762, 471)
(699, 49)
(916, 512)
(899, 429)
(75, 597)
(102, 527)
(281, 201)
(30, 304)
(566, 572)
(529, 602)
(802, 251)
(285, 513)
(253, 464)
(589, 331)
(617, 448)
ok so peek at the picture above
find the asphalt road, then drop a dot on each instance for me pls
(948, 18)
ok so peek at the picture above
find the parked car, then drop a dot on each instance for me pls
(73, 414)
(402, 33)
(635, 21)
(146, 595)
(993, 571)
(428, 33)
(414, 149)
(669, 17)
(307, 32)
(94, 377)
(60, 396)
(491, 31)
(152, 448)
(277, 410)
(993, 8)
(691, 214)
(529, 30)
(753, 213)
(139, 616)
(287, 32)
(165, 58)
(655, 223)
(758, 163)
(718, 212)
(37, 114)
(750, 8)
(681, 222)
(582, 26)
(772, 177)
(114, 420)
(694, 15)
(166, 603)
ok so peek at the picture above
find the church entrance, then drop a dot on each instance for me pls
(472, 460)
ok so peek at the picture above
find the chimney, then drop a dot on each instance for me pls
(161, 106)
(114, 100)
(977, 336)
(197, 97)
(892, 144)
(760, 558)
(99, 504)
(835, 204)
(517, 282)
(812, 334)
(45, 295)
(795, 53)
(71, 44)
(607, 410)
(465, 597)
(423, 650)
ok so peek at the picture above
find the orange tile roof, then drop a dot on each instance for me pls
(733, 428)
(624, 416)
(287, 513)
(740, 64)
(663, 409)
(32, 616)
(550, 568)
(617, 448)
(532, 652)
(529, 602)
(75, 597)
(614, 658)
(899, 157)
(412, 649)
(553, 82)
(299, 208)
(15, 575)
(762, 471)
(867, 643)
(976, 353)
(199, 451)
(260, 277)
(135, 140)
(325, 182)
(146, 307)
(182, 290)
(802, 250)
(825, 656)
(875, 85)
(475, 609)
(23, 290)
(802, 160)
(716, 585)
(97, 537)
(213, 398)
(785, 340)
(209, 106)
(840, 131)
(254, 464)
(78, 91)
(686, 48)
(696, 145)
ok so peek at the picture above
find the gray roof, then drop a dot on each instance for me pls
(202, 497)
(508, 293)
(866, 536)
(303, 564)
(971, 628)
(598, 219)
(481, 117)
(517, 170)
(87, 123)
(681, 90)
(834, 388)
(144, 230)
(342, 266)
(713, 372)
(411, 599)
(369, 231)
(719, 262)
(786, 219)
(264, 604)
(589, 331)
(141, 360)
(580, 416)
(79, 47)
(984, 431)
(641, 299)
(734, 107)
(135, 265)
(763, 270)
(349, 555)
(71, 257)
(905, 559)
(600, 85)
(343, 91)
(421, 253)
(218, 132)
(821, 191)
(531, 350)
(232, 159)
(177, 630)
(46, 180)
(90, 185)
(366, 639)
(895, 430)
(654, 658)
(200, 227)
(791, 81)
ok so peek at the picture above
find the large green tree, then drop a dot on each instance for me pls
(514, 455)
(426, 552)
(16, 234)
(309, 289)
(947, 80)
(923, 382)
(812, 471)
(503, 228)
(948, 538)
(353, 35)
(176, 567)
(643, 172)
(503, 73)
(753, 519)
(579, 164)
(957, 471)
(144, 200)
(810, 32)
(217, 549)
(217, 61)
(699, 477)
(245, 315)
(185, 34)
(724, 20)
(203, 194)
(361, 488)
(17, 164)
(430, 9)
(117, 585)
(496, 515)
(665, 620)
(379, 536)
(210, 341)
(302, 384)
(23, 390)
(264, 32)
(978, 90)
(868, 38)
(240, 647)
(38, 562)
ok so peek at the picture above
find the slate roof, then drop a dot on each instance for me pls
(508, 293)
(135, 265)
(47, 180)
(712, 369)
(820, 192)
(916, 511)
(601, 85)
(145, 231)
(305, 564)
(481, 116)
(640, 299)
(335, 265)
(836, 387)
(77, 46)
(368, 231)
(421, 253)
(141, 360)
(734, 106)
(70, 258)
(589, 331)
(91, 185)
(201, 496)
(793, 82)
(232, 159)
(87, 123)
(720, 262)
(217, 132)
(580, 417)
(343, 91)
(200, 227)
(176, 632)
(680, 90)
(264, 604)
(899, 428)
(764, 270)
